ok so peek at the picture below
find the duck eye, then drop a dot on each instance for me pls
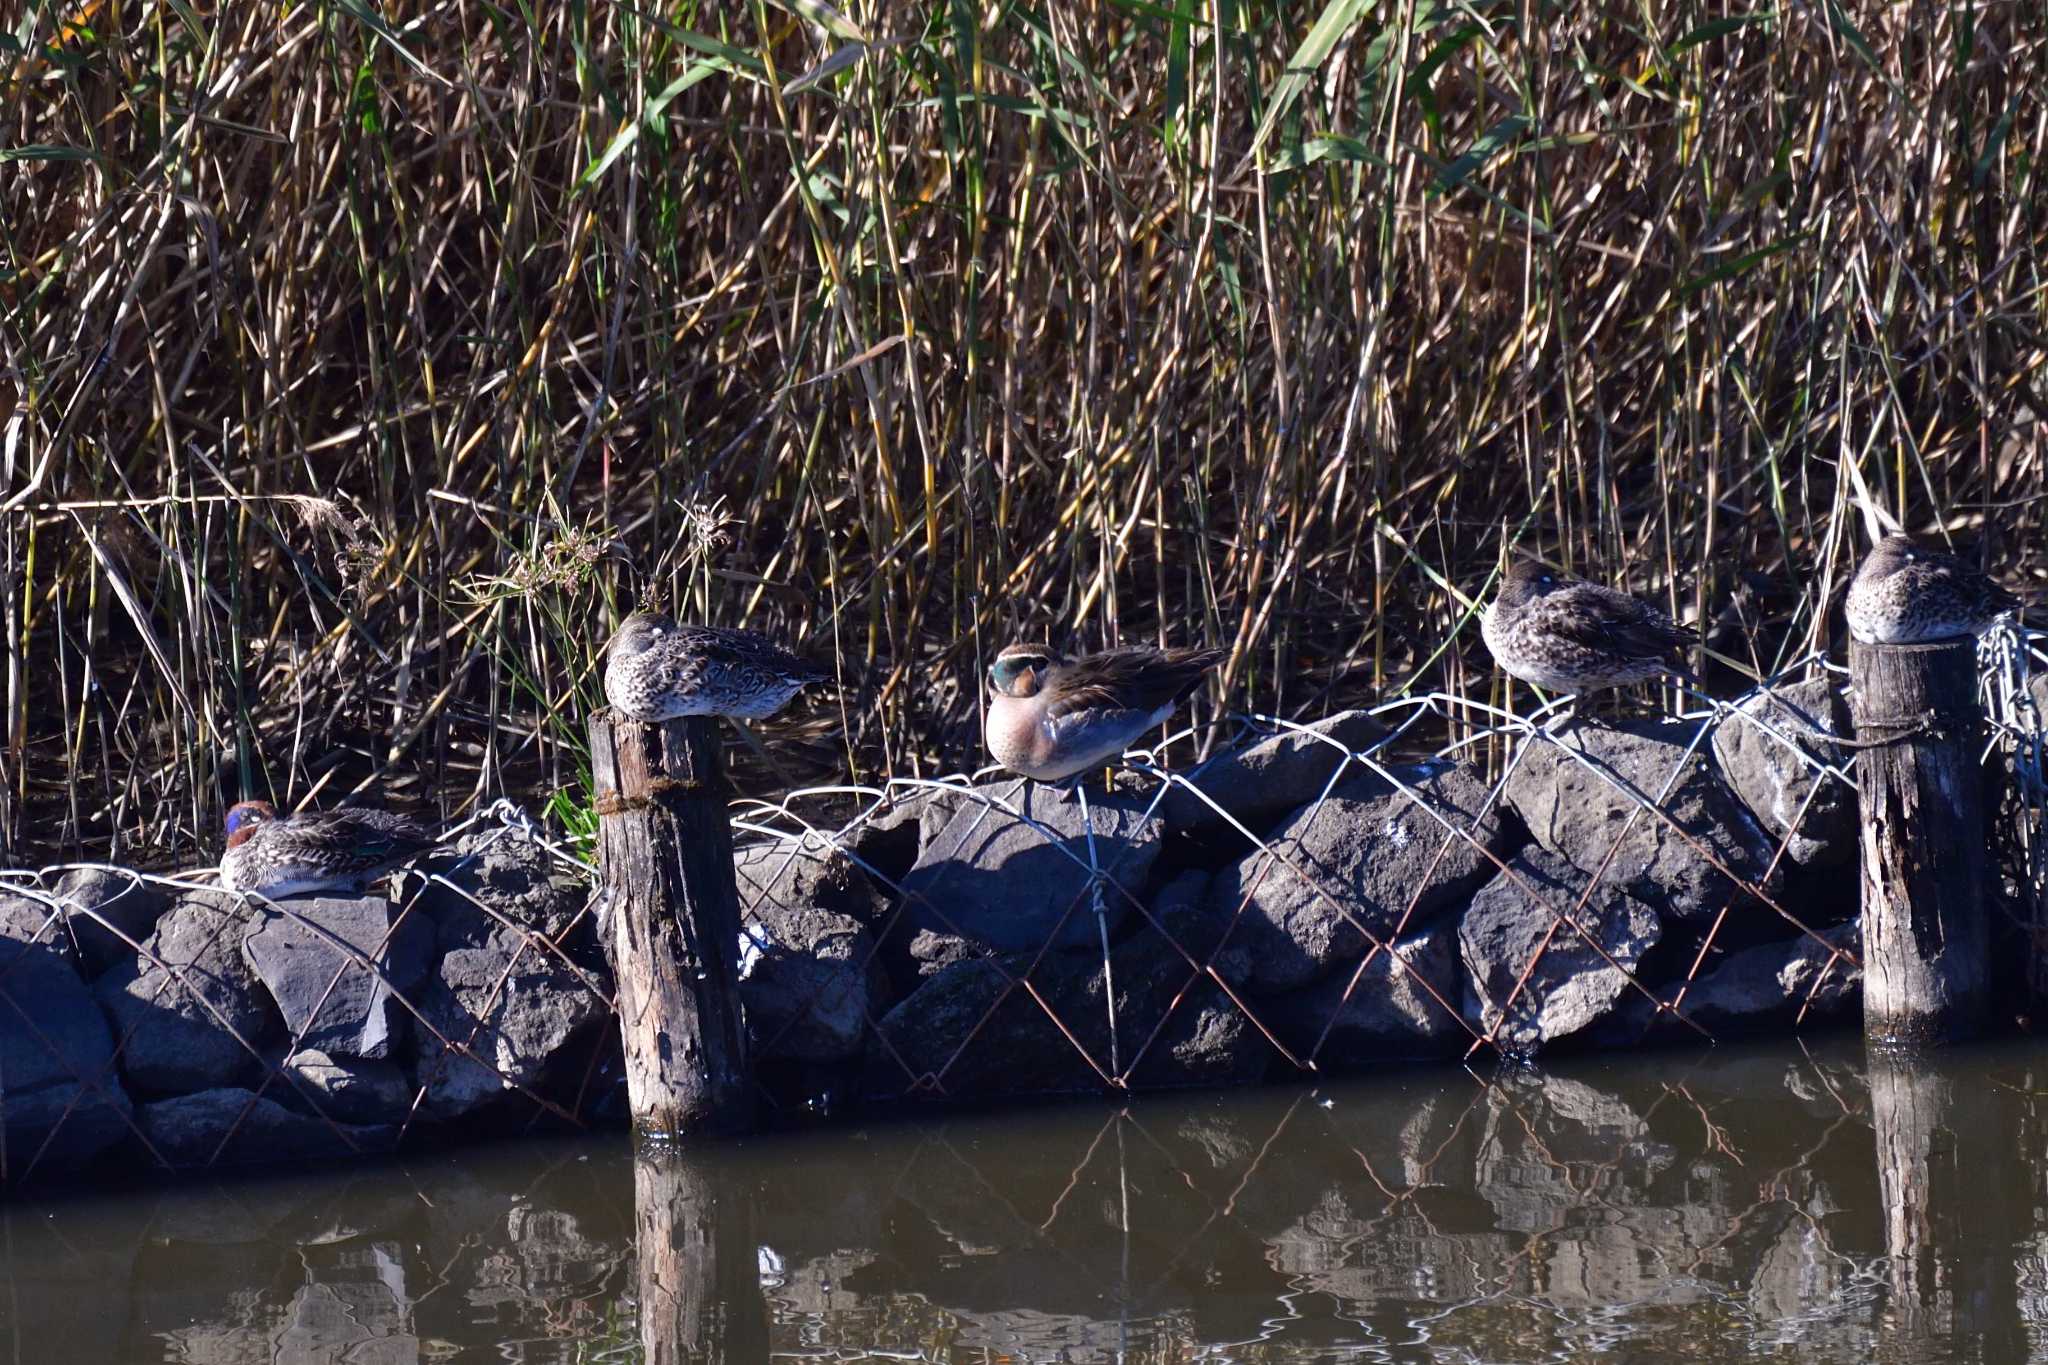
(1545, 579)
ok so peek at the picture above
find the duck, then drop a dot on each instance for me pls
(1906, 593)
(276, 855)
(1051, 716)
(1570, 635)
(659, 670)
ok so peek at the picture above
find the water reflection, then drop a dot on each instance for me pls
(1683, 1206)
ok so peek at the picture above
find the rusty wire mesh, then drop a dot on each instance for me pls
(1105, 1052)
(1117, 1065)
(189, 983)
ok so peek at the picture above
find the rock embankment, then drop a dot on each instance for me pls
(1287, 907)
(1301, 907)
(227, 1031)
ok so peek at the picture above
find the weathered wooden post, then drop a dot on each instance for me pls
(1926, 963)
(664, 856)
(699, 1262)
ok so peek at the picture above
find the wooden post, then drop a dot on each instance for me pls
(664, 855)
(1926, 956)
(699, 1262)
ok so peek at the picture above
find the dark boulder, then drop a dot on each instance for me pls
(811, 982)
(1771, 988)
(1579, 809)
(1368, 859)
(1772, 770)
(790, 876)
(61, 1103)
(502, 878)
(30, 919)
(1252, 786)
(346, 1088)
(511, 1013)
(930, 950)
(110, 911)
(177, 1007)
(1395, 1011)
(233, 1127)
(977, 1033)
(310, 953)
(886, 838)
(1014, 880)
(1530, 909)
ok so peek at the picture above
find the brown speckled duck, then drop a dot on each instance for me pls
(1569, 636)
(1051, 717)
(1906, 593)
(659, 670)
(333, 850)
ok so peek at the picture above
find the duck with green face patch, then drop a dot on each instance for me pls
(1050, 717)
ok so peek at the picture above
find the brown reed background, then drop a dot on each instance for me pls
(365, 363)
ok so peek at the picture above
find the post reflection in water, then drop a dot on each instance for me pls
(1678, 1206)
(698, 1258)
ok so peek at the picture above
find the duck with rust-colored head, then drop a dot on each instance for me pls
(1906, 593)
(659, 670)
(1050, 716)
(1568, 635)
(331, 850)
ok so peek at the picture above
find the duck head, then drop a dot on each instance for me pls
(637, 632)
(245, 816)
(1019, 671)
(1526, 579)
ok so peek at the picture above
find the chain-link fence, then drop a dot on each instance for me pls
(1310, 898)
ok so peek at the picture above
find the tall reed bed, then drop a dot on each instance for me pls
(366, 361)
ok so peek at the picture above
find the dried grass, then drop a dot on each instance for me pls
(364, 367)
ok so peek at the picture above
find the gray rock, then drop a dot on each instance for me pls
(1207, 1041)
(887, 841)
(1815, 814)
(104, 900)
(25, 919)
(1197, 925)
(515, 1007)
(499, 877)
(62, 1126)
(1011, 883)
(1581, 814)
(932, 951)
(788, 877)
(309, 954)
(1356, 861)
(60, 1102)
(228, 1126)
(1390, 1013)
(345, 1088)
(172, 1006)
(1251, 786)
(979, 1035)
(1757, 990)
(1573, 986)
(809, 993)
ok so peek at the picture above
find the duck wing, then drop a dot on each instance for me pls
(360, 833)
(718, 647)
(1135, 678)
(1613, 623)
(1950, 573)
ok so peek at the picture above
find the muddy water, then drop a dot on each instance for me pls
(1730, 1204)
